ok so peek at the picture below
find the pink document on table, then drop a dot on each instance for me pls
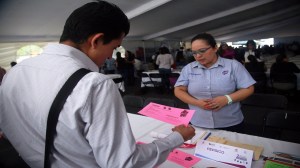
(171, 115)
(182, 158)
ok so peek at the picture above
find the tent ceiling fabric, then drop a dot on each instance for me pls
(227, 20)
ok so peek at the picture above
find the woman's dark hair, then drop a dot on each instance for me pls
(252, 42)
(164, 50)
(207, 37)
(95, 17)
(280, 58)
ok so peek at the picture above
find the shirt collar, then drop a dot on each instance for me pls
(220, 62)
(64, 50)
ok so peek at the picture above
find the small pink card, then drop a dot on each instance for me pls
(171, 115)
(182, 158)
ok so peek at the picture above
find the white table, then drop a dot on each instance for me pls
(142, 126)
(146, 79)
(115, 76)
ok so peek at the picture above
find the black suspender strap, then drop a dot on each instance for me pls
(55, 109)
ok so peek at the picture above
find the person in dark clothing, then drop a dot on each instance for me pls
(257, 71)
(121, 63)
(129, 68)
(282, 73)
(254, 66)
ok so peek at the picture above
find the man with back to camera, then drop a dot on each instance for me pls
(91, 131)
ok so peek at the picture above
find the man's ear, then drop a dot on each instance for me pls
(96, 39)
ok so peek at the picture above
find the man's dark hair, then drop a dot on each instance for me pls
(206, 37)
(95, 17)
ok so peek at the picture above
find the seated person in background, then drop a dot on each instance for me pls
(282, 73)
(225, 51)
(257, 71)
(213, 87)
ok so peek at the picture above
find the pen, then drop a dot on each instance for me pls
(286, 155)
(207, 136)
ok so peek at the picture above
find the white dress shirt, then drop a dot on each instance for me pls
(250, 52)
(93, 129)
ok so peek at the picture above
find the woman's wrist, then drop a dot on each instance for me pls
(229, 100)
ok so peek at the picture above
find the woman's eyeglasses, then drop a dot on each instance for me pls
(200, 51)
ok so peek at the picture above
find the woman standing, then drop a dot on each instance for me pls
(214, 86)
(165, 61)
(251, 50)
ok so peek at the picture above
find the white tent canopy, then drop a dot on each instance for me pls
(157, 20)
(227, 20)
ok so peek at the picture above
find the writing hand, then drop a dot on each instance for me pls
(187, 132)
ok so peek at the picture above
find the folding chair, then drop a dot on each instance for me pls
(157, 79)
(146, 80)
(261, 81)
(266, 100)
(283, 125)
(256, 107)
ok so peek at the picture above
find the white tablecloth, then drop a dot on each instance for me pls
(121, 84)
(142, 126)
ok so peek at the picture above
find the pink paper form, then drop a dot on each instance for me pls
(182, 158)
(171, 115)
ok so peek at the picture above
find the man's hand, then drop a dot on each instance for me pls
(187, 132)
